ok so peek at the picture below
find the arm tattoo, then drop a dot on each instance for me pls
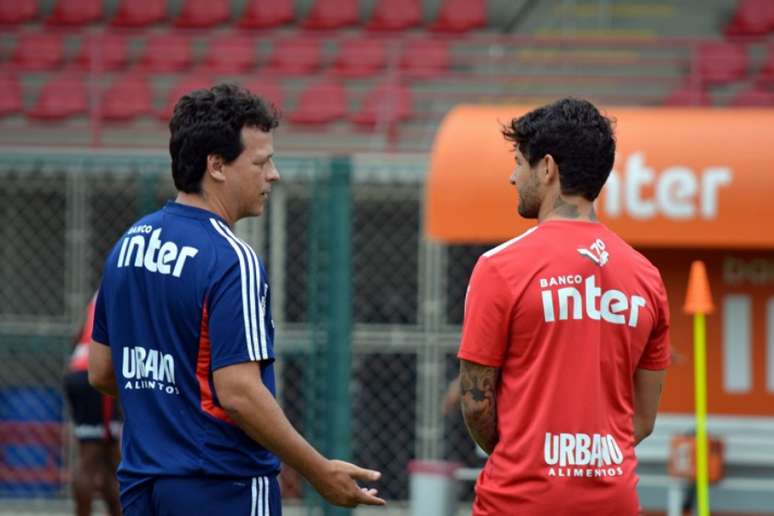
(479, 408)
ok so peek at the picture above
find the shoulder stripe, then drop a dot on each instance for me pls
(242, 276)
(504, 245)
(258, 325)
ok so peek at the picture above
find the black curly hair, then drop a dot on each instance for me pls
(576, 135)
(210, 121)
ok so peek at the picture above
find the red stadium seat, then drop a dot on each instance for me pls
(753, 97)
(61, 97)
(165, 53)
(752, 18)
(103, 52)
(460, 16)
(332, 14)
(722, 62)
(260, 14)
(37, 51)
(298, 55)
(127, 98)
(15, 12)
(230, 54)
(321, 103)
(203, 13)
(139, 13)
(386, 104)
(361, 57)
(11, 99)
(425, 58)
(186, 85)
(267, 89)
(688, 94)
(395, 15)
(75, 12)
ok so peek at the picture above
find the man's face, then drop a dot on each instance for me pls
(251, 174)
(525, 179)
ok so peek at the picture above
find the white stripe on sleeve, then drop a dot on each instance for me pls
(242, 276)
(254, 503)
(266, 495)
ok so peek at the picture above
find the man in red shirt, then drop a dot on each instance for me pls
(565, 337)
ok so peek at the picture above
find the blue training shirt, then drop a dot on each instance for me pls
(182, 296)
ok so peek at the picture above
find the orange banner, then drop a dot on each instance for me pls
(682, 178)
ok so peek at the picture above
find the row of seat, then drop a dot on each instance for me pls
(235, 53)
(752, 18)
(131, 96)
(724, 62)
(452, 16)
(694, 93)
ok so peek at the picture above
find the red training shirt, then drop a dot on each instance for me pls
(79, 360)
(567, 311)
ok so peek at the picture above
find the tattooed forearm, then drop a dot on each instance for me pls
(477, 384)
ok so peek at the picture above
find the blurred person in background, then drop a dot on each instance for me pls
(565, 335)
(183, 332)
(96, 427)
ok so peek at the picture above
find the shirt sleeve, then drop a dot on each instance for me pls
(237, 312)
(486, 325)
(99, 331)
(657, 354)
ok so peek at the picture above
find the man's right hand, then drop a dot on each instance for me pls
(337, 483)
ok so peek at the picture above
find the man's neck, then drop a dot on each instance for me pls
(565, 207)
(205, 202)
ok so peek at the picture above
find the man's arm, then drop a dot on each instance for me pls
(478, 383)
(254, 409)
(647, 393)
(101, 375)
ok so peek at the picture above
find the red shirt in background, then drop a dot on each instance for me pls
(567, 312)
(79, 360)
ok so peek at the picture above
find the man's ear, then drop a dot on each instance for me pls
(215, 167)
(549, 170)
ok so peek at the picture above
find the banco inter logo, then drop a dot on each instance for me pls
(148, 369)
(582, 455)
(575, 297)
(153, 255)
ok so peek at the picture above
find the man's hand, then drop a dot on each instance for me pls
(337, 484)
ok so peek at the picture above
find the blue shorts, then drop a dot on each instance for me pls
(184, 496)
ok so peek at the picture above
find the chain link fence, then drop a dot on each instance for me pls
(367, 311)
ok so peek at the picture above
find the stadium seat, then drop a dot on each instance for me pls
(320, 103)
(203, 13)
(688, 94)
(165, 53)
(16, 12)
(395, 15)
(268, 89)
(460, 16)
(103, 52)
(752, 18)
(332, 14)
(75, 12)
(753, 97)
(297, 55)
(230, 54)
(260, 14)
(721, 62)
(386, 104)
(62, 96)
(360, 57)
(38, 51)
(127, 98)
(185, 85)
(139, 13)
(425, 58)
(11, 99)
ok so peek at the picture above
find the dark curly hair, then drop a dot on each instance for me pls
(208, 122)
(576, 135)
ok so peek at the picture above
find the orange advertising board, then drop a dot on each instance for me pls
(682, 178)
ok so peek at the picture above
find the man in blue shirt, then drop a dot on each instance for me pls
(183, 333)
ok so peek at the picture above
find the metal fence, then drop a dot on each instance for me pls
(367, 311)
